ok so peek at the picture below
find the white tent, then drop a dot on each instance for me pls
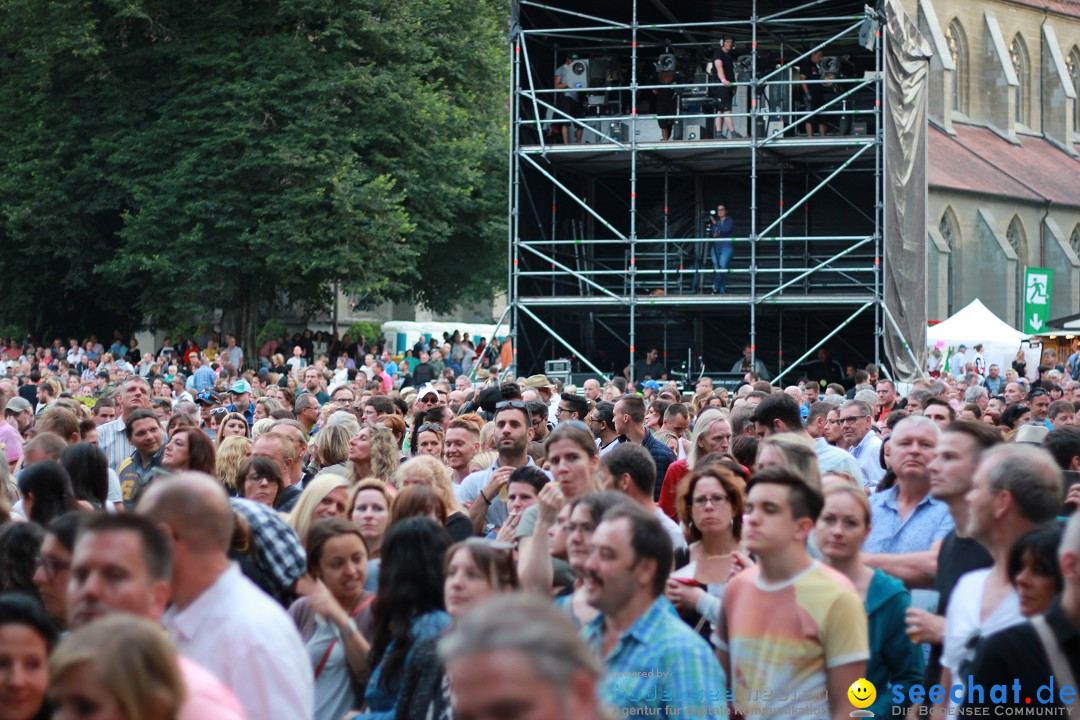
(975, 324)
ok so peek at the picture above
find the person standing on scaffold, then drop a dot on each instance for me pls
(722, 230)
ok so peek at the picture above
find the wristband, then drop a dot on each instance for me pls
(485, 497)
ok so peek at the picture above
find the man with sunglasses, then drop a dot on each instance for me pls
(208, 401)
(480, 491)
(1039, 402)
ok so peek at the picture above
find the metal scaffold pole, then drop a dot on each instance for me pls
(515, 185)
(753, 192)
(633, 189)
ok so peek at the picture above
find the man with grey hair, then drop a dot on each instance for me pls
(856, 423)
(517, 656)
(190, 410)
(978, 395)
(907, 524)
(219, 618)
(134, 393)
(1025, 654)
(306, 411)
(1015, 488)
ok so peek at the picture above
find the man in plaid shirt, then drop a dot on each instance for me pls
(652, 658)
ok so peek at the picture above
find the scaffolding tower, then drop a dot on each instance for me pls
(610, 252)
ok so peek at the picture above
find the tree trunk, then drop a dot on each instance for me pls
(240, 320)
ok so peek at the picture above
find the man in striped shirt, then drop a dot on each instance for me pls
(133, 393)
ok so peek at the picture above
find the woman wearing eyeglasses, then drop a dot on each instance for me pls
(259, 480)
(710, 508)
(52, 566)
(475, 570)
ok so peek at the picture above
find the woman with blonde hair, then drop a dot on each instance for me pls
(372, 453)
(261, 427)
(427, 470)
(346, 419)
(487, 437)
(699, 402)
(792, 450)
(231, 454)
(712, 433)
(331, 448)
(326, 411)
(121, 664)
(326, 495)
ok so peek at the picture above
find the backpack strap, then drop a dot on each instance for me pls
(1059, 664)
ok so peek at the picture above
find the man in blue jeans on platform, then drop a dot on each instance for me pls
(723, 228)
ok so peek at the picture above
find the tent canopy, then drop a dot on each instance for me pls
(974, 324)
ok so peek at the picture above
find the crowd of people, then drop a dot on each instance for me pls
(215, 538)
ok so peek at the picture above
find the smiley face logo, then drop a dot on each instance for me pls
(862, 693)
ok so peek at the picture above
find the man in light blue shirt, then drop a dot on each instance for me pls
(857, 426)
(907, 525)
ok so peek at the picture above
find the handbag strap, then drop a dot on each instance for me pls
(333, 641)
(1059, 664)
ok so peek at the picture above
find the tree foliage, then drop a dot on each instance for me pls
(163, 159)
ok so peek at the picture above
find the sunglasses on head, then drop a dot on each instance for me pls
(433, 427)
(219, 411)
(516, 404)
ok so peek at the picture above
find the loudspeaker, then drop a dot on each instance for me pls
(859, 127)
(590, 138)
(700, 86)
(693, 131)
(868, 30)
(578, 76)
(647, 129)
(741, 103)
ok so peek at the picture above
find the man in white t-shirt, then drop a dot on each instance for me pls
(1015, 488)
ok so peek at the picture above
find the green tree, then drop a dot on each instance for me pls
(166, 159)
